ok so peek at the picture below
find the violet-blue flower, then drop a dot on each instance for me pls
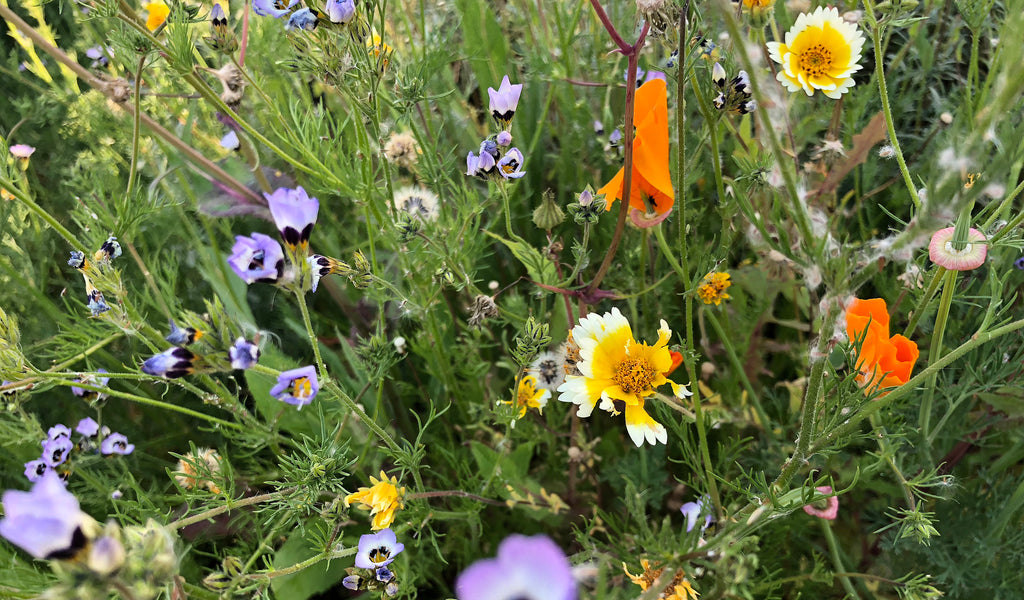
(302, 19)
(77, 259)
(257, 258)
(510, 166)
(489, 147)
(351, 582)
(97, 304)
(46, 521)
(182, 336)
(90, 380)
(98, 54)
(504, 101)
(116, 443)
(480, 166)
(171, 363)
(294, 212)
(527, 568)
(244, 354)
(273, 8)
(88, 427)
(56, 451)
(693, 511)
(34, 469)
(378, 549)
(340, 11)
(297, 386)
(503, 139)
(57, 431)
(230, 141)
(383, 574)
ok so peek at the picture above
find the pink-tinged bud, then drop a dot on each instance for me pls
(944, 253)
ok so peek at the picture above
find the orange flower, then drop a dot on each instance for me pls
(158, 12)
(884, 361)
(651, 177)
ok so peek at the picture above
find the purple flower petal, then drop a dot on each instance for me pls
(44, 521)
(257, 258)
(526, 567)
(116, 443)
(297, 386)
(294, 213)
(378, 549)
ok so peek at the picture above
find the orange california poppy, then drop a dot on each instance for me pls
(651, 177)
(883, 361)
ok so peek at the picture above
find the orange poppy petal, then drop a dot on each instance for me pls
(861, 312)
(613, 189)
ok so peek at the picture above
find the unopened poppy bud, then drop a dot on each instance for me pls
(548, 215)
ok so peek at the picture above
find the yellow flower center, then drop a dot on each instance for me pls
(379, 555)
(634, 375)
(302, 388)
(816, 60)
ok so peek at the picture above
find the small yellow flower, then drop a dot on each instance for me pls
(759, 11)
(529, 396)
(381, 51)
(680, 589)
(382, 499)
(820, 52)
(712, 290)
(158, 12)
(621, 373)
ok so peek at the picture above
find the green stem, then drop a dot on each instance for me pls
(883, 446)
(808, 410)
(883, 91)
(25, 199)
(136, 122)
(737, 367)
(231, 505)
(941, 318)
(313, 341)
(925, 300)
(837, 559)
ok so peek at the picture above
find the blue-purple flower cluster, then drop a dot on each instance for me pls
(340, 12)
(179, 361)
(376, 551)
(58, 447)
(497, 160)
(108, 251)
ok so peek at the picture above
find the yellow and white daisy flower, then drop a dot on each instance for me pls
(620, 373)
(530, 395)
(821, 53)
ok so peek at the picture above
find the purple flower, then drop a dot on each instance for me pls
(77, 259)
(504, 139)
(230, 141)
(171, 363)
(273, 8)
(244, 354)
(532, 568)
(98, 54)
(489, 147)
(56, 451)
(510, 166)
(302, 19)
(378, 549)
(384, 574)
(45, 522)
(1019, 263)
(504, 101)
(34, 469)
(480, 166)
(692, 511)
(97, 305)
(643, 77)
(21, 150)
(116, 443)
(217, 15)
(294, 213)
(340, 11)
(90, 380)
(57, 431)
(182, 336)
(257, 258)
(297, 386)
(351, 582)
(106, 554)
(88, 427)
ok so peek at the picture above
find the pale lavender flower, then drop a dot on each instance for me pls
(171, 363)
(297, 386)
(90, 380)
(244, 354)
(693, 511)
(510, 166)
(97, 305)
(489, 147)
(351, 582)
(98, 54)
(480, 166)
(504, 139)
(527, 568)
(504, 101)
(116, 443)
(182, 336)
(615, 138)
(35, 469)
(46, 521)
(88, 427)
(302, 19)
(106, 554)
(273, 8)
(57, 431)
(340, 11)
(21, 150)
(56, 451)
(230, 141)
(294, 213)
(257, 258)
(377, 550)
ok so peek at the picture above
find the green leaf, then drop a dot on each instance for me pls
(484, 42)
(540, 269)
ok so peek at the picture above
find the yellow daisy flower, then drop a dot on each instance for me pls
(158, 12)
(382, 499)
(680, 589)
(621, 373)
(530, 396)
(820, 53)
(712, 288)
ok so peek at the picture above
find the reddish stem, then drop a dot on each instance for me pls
(245, 35)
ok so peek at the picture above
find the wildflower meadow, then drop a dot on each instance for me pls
(512, 299)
